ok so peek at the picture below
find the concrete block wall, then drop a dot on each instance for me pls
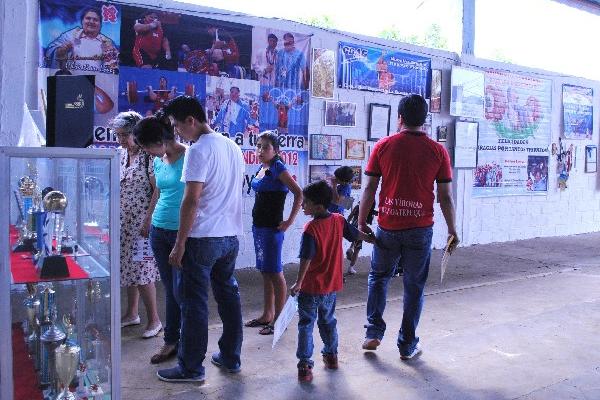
(479, 220)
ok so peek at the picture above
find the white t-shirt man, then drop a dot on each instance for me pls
(218, 163)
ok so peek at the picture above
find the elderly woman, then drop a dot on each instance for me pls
(138, 198)
(156, 137)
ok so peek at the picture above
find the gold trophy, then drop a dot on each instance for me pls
(32, 308)
(25, 195)
(66, 361)
(50, 262)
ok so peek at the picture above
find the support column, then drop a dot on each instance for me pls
(468, 36)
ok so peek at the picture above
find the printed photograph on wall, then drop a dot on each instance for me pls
(591, 158)
(79, 35)
(323, 73)
(338, 113)
(321, 172)
(355, 149)
(578, 112)
(427, 128)
(537, 173)
(326, 147)
(442, 133)
(465, 144)
(357, 178)
(147, 90)
(380, 70)
(280, 58)
(467, 95)
(435, 102)
(379, 121)
(164, 40)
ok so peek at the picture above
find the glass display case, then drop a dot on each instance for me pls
(59, 294)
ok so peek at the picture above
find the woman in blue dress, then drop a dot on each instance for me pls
(271, 184)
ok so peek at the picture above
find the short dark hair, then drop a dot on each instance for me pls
(182, 107)
(288, 34)
(344, 174)
(319, 193)
(151, 130)
(90, 9)
(272, 36)
(413, 110)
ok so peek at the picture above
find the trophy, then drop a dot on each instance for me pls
(47, 304)
(52, 339)
(67, 362)
(94, 189)
(26, 191)
(32, 308)
(50, 262)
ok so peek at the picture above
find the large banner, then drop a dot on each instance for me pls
(513, 155)
(163, 40)
(578, 112)
(379, 70)
(79, 35)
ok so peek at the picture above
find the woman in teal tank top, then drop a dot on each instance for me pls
(155, 135)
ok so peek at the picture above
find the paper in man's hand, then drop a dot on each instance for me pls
(450, 246)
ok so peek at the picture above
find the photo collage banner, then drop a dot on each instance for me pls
(250, 79)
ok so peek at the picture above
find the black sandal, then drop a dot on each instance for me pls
(267, 330)
(255, 323)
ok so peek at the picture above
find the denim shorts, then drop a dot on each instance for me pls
(267, 245)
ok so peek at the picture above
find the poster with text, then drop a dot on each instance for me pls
(380, 70)
(157, 39)
(147, 90)
(281, 58)
(105, 102)
(467, 93)
(578, 112)
(79, 35)
(514, 136)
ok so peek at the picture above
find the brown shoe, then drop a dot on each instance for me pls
(305, 373)
(330, 361)
(166, 352)
(371, 344)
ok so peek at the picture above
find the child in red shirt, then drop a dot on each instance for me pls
(320, 276)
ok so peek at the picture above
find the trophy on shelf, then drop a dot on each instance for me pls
(25, 194)
(50, 262)
(52, 338)
(32, 308)
(67, 359)
(94, 189)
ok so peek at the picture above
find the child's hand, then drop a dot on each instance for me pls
(295, 288)
(369, 237)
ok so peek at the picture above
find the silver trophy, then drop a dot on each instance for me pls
(47, 304)
(50, 262)
(32, 309)
(67, 362)
(52, 338)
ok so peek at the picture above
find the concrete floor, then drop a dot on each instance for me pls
(518, 320)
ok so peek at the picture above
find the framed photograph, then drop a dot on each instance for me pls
(467, 97)
(379, 121)
(435, 103)
(355, 149)
(357, 178)
(341, 114)
(578, 112)
(591, 158)
(321, 172)
(427, 127)
(465, 147)
(326, 147)
(323, 73)
(442, 133)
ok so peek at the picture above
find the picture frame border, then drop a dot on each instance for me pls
(339, 126)
(310, 147)
(364, 149)
(372, 106)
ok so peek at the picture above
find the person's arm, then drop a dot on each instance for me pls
(166, 47)
(187, 216)
(447, 206)
(295, 288)
(151, 94)
(366, 202)
(148, 220)
(138, 27)
(335, 198)
(288, 181)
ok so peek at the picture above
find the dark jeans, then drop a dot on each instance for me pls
(322, 309)
(412, 248)
(162, 241)
(209, 260)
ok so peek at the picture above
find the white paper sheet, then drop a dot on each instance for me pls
(290, 309)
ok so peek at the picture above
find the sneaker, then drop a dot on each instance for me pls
(218, 361)
(331, 361)
(371, 344)
(416, 351)
(176, 375)
(305, 373)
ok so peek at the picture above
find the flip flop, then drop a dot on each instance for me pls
(267, 330)
(255, 323)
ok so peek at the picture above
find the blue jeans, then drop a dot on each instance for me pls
(320, 307)
(209, 260)
(162, 241)
(412, 247)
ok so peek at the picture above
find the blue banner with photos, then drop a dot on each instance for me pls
(381, 70)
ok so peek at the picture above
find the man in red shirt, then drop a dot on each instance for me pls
(150, 41)
(407, 165)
